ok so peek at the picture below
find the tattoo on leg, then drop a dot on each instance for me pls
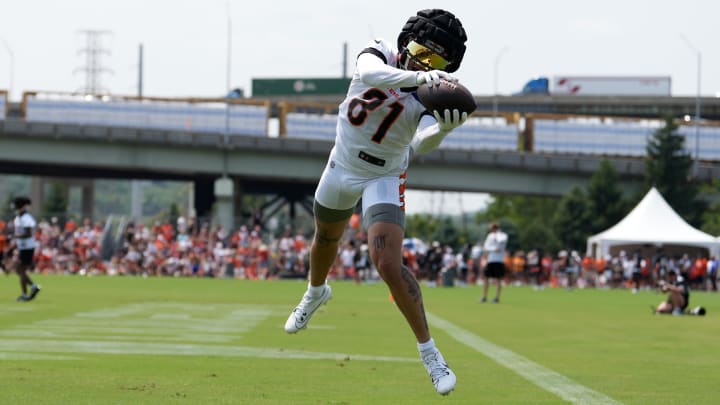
(414, 290)
(379, 242)
(413, 287)
(422, 311)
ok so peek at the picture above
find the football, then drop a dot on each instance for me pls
(448, 95)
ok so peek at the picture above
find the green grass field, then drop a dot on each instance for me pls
(152, 341)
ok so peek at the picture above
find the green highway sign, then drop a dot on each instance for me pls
(299, 86)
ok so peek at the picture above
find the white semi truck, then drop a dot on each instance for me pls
(599, 86)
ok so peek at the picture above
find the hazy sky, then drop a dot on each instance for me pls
(186, 41)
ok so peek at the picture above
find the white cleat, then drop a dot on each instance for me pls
(442, 377)
(301, 315)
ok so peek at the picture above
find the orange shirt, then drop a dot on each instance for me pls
(699, 267)
(3, 237)
(518, 264)
(546, 262)
(600, 265)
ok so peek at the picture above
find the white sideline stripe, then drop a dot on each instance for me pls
(34, 356)
(182, 337)
(145, 325)
(130, 332)
(544, 378)
(66, 346)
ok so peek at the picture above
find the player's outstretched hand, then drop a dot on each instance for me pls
(450, 119)
(433, 77)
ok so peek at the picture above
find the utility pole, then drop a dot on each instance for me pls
(140, 71)
(136, 186)
(696, 167)
(344, 61)
(93, 67)
(495, 80)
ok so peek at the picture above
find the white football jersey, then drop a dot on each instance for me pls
(376, 124)
(20, 223)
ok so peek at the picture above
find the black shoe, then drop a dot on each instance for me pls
(483, 299)
(23, 298)
(34, 290)
(496, 300)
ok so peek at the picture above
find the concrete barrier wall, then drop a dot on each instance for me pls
(572, 136)
(311, 126)
(618, 138)
(483, 134)
(709, 141)
(170, 115)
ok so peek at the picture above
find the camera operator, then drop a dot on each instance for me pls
(678, 294)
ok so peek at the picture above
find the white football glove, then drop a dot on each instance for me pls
(433, 77)
(450, 120)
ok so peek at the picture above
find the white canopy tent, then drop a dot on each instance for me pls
(652, 224)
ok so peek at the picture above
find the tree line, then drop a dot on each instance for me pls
(555, 223)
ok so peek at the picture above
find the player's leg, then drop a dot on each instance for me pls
(24, 266)
(385, 221)
(385, 243)
(486, 282)
(664, 307)
(329, 228)
(385, 240)
(500, 273)
(334, 203)
(677, 301)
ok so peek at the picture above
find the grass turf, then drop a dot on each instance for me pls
(100, 340)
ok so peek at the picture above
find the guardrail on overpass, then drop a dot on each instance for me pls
(595, 135)
(78, 150)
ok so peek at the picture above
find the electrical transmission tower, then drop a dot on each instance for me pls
(93, 67)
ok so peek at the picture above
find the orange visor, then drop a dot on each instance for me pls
(426, 57)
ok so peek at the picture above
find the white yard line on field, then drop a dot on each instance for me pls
(544, 378)
(67, 346)
(34, 356)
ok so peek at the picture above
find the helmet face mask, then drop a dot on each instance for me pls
(420, 57)
(432, 39)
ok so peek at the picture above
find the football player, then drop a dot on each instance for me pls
(379, 122)
(24, 241)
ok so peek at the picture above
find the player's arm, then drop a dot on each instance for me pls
(375, 72)
(670, 288)
(433, 129)
(24, 232)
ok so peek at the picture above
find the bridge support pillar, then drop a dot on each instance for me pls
(87, 201)
(225, 203)
(87, 194)
(37, 194)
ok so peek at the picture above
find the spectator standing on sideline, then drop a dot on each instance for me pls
(636, 270)
(379, 122)
(712, 272)
(24, 241)
(3, 246)
(434, 263)
(494, 247)
(534, 258)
